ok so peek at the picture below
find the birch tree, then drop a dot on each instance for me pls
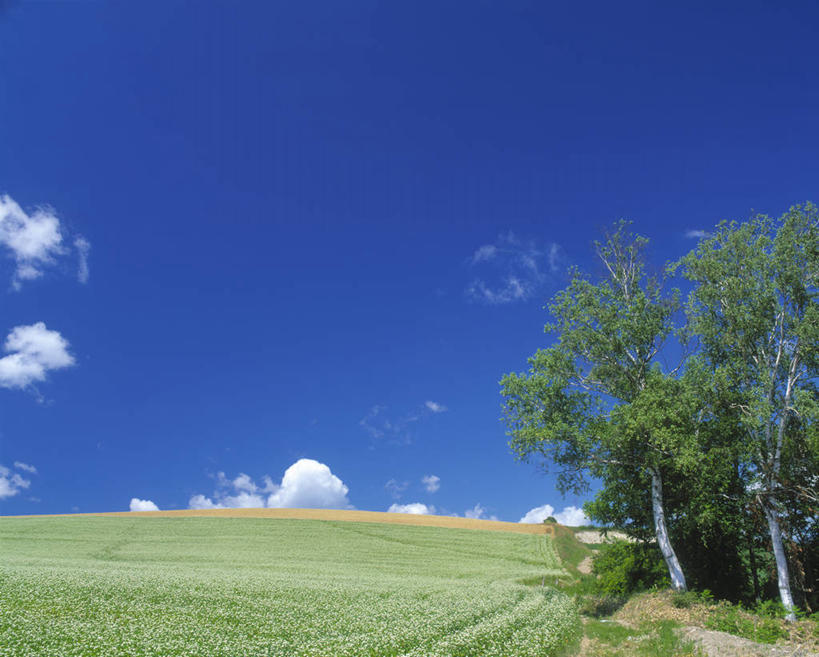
(595, 403)
(755, 308)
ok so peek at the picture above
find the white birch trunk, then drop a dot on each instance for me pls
(782, 574)
(674, 568)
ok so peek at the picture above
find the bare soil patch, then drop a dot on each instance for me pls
(594, 536)
(721, 644)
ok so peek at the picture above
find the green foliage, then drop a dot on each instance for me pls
(610, 632)
(551, 520)
(599, 605)
(664, 642)
(624, 568)
(755, 310)
(655, 640)
(687, 599)
(726, 617)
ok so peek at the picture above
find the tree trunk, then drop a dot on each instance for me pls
(782, 574)
(674, 568)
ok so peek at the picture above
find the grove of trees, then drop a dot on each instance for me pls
(696, 418)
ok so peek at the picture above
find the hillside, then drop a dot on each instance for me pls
(186, 584)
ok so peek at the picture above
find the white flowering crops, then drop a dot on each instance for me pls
(239, 587)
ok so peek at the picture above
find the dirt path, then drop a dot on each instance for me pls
(721, 644)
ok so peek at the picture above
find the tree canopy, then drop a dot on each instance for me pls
(716, 456)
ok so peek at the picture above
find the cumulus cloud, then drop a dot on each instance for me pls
(435, 407)
(201, 502)
(83, 247)
(414, 508)
(305, 484)
(32, 351)
(512, 269)
(142, 505)
(35, 240)
(11, 483)
(431, 482)
(310, 484)
(25, 467)
(571, 516)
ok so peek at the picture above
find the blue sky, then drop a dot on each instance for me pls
(239, 235)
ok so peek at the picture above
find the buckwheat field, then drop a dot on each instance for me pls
(234, 587)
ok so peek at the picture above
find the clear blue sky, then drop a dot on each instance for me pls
(304, 221)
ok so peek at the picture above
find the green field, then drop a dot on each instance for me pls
(237, 587)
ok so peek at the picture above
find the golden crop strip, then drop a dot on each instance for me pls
(326, 514)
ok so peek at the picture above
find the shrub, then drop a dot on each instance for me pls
(726, 617)
(598, 605)
(624, 568)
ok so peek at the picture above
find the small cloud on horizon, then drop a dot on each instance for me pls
(571, 516)
(413, 508)
(478, 512)
(142, 505)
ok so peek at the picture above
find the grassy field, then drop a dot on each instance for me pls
(125, 585)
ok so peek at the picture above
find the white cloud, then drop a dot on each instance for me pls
(393, 430)
(431, 482)
(571, 516)
(305, 484)
(697, 234)
(11, 483)
(25, 467)
(396, 488)
(485, 252)
(83, 247)
(142, 505)
(538, 514)
(310, 484)
(33, 239)
(202, 502)
(478, 512)
(414, 508)
(512, 269)
(435, 407)
(33, 351)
